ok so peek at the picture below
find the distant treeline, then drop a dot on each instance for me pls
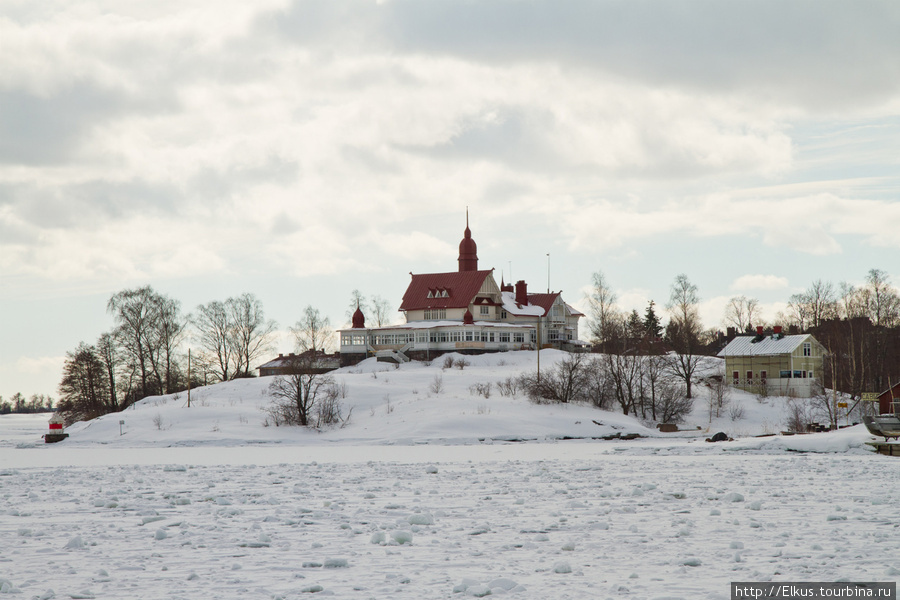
(19, 404)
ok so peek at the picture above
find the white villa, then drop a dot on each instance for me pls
(465, 311)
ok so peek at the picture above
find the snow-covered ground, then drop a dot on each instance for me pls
(422, 495)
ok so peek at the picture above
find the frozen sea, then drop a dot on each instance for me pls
(167, 513)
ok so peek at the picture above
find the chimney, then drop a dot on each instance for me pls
(777, 330)
(759, 330)
(521, 292)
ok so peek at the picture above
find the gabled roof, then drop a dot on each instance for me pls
(768, 346)
(460, 288)
(545, 301)
(539, 305)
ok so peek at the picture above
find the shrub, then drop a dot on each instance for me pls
(481, 389)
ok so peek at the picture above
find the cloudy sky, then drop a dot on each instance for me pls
(302, 149)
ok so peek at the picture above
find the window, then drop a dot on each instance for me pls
(437, 314)
(749, 377)
(421, 336)
(735, 377)
(763, 376)
(810, 374)
(785, 374)
(502, 314)
(799, 374)
(519, 338)
(485, 311)
(456, 336)
(468, 336)
(504, 337)
(807, 349)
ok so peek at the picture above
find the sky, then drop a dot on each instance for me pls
(299, 150)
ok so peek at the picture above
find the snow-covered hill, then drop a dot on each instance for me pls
(424, 403)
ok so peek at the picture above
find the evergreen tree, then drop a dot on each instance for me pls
(651, 322)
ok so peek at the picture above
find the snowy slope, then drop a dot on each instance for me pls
(390, 404)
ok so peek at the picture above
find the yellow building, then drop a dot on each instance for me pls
(777, 365)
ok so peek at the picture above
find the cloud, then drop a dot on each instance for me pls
(759, 282)
(842, 56)
(807, 225)
(151, 139)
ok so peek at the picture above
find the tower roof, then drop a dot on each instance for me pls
(359, 319)
(468, 250)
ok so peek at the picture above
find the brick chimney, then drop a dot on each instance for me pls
(521, 292)
(776, 330)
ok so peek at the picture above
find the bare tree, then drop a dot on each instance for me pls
(149, 329)
(381, 311)
(624, 372)
(741, 313)
(110, 358)
(673, 404)
(883, 299)
(170, 331)
(563, 383)
(655, 377)
(295, 396)
(213, 334)
(719, 397)
(684, 330)
(252, 334)
(605, 319)
(313, 331)
(232, 335)
(809, 308)
(135, 317)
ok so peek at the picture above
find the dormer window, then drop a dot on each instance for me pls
(431, 293)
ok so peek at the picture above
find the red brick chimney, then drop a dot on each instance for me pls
(521, 292)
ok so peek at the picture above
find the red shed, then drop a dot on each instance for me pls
(891, 394)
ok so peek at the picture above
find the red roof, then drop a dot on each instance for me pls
(447, 290)
(545, 301)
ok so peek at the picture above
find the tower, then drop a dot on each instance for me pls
(468, 250)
